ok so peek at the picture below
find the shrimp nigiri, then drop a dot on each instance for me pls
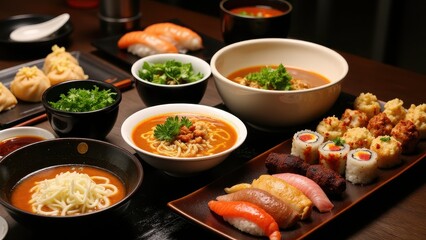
(183, 38)
(247, 217)
(142, 43)
(310, 188)
(280, 211)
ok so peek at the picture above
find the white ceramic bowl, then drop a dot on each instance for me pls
(25, 131)
(182, 166)
(155, 94)
(268, 108)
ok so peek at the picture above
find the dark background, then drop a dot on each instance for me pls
(389, 31)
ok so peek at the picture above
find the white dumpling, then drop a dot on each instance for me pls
(64, 70)
(7, 99)
(56, 54)
(29, 84)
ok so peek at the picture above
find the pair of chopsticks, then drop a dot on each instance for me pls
(122, 84)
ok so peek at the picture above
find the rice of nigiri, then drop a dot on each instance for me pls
(305, 145)
(361, 166)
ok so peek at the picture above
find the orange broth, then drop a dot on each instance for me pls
(148, 124)
(257, 11)
(311, 78)
(21, 192)
(11, 144)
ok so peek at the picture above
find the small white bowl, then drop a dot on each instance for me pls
(182, 166)
(272, 108)
(155, 94)
(25, 131)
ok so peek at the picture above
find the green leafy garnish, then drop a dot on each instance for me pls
(170, 128)
(171, 72)
(84, 100)
(272, 79)
(385, 139)
(338, 141)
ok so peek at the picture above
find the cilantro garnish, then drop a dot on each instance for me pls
(273, 79)
(84, 100)
(171, 72)
(385, 139)
(170, 128)
(338, 141)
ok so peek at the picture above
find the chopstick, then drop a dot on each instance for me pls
(122, 85)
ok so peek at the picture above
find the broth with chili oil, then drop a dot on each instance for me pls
(206, 136)
(11, 144)
(257, 11)
(23, 193)
(300, 78)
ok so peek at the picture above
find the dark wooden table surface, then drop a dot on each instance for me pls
(395, 211)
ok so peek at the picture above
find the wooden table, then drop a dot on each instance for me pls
(396, 211)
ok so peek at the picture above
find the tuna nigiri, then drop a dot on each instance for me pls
(247, 217)
(183, 38)
(280, 211)
(142, 43)
(310, 188)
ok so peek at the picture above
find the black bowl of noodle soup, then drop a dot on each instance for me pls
(93, 164)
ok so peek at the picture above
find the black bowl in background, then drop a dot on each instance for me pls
(94, 124)
(62, 151)
(237, 28)
(34, 49)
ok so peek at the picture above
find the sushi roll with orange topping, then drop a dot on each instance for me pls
(361, 166)
(305, 145)
(332, 154)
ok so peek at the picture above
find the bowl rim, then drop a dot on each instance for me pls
(94, 82)
(26, 131)
(218, 76)
(176, 56)
(127, 197)
(149, 112)
(264, 3)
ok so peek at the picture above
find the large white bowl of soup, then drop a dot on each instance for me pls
(313, 75)
(183, 139)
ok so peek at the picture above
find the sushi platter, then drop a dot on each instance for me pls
(194, 205)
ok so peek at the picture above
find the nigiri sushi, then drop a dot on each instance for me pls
(280, 211)
(142, 44)
(183, 38)
(247, 217)
(310, 188)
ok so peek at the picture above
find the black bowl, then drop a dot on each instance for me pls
(94, 124)
(34, 49)
(237, 28)
(62, 151)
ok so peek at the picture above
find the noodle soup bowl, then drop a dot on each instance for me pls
(33, 158)
(182, 166)
(155, 93)
(278, 109)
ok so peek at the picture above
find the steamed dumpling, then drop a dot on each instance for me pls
(7, 99)
(56, 54)
(64, 70)
(29, 84)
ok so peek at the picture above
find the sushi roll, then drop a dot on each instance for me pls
(361, 166)
(332, 154)
(305, 145)
(388, 151)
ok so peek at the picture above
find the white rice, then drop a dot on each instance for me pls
(361, 166)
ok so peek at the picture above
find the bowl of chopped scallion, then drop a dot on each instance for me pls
(82, 108)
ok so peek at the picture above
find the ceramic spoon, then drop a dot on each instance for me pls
(39, 30)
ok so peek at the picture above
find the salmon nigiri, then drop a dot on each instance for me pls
(247, 217)
(142, 43)
(310, 188)
(183, 38)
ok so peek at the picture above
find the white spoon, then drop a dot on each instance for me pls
(39, 30)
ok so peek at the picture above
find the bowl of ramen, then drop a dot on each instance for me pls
(183, 139)
(17, 137)
(251, 19)
(170, 78)
(278, 83)
(68, 183)
(82, 108)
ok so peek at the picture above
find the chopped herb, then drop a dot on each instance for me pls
(171, 127)
(270, 78)
(84, 100)
(171, 72)
(385, 139)
(338, 141)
